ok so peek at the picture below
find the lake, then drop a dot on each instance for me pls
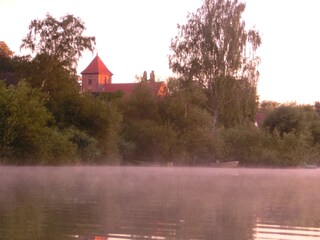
(99, 203)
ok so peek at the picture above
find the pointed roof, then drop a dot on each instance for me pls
(96, 67)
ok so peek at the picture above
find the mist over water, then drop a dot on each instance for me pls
(158, 203)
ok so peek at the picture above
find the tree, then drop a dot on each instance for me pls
(45, 73)
(145, 137)
(317, 106)
(5, 50)
(235, 101)
(184, 108)
(5, 58)
(292, 119)
(142, 104)
(27, 132)
(62, 40)
(58, 84)
(215, 46)
(152, 76)
(268, 106)
(58, 44)
(144, 77)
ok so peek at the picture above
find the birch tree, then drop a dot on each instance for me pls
(62, 39)
(213, 47)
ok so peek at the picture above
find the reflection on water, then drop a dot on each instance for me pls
(268, 231)
(99, 203)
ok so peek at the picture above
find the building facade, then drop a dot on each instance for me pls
(97, 78)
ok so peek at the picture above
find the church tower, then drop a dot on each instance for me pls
(96, 76)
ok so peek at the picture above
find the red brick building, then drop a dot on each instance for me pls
(97, 78)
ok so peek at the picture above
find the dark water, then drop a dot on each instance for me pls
(99, 203)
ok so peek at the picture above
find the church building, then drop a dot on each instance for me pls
(97, 78)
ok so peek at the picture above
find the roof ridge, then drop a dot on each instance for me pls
(97, 67)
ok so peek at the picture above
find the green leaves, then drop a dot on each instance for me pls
(214, 48)
(284, 119)
(62, 39)
(185, 109)
(26, 135)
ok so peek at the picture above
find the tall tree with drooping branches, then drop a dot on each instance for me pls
(62, 39)
(215, 49)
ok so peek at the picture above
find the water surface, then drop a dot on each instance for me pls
(99, 203)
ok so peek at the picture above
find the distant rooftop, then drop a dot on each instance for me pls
(127, 88)
(97, 67)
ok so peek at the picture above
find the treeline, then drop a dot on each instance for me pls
(72, 127)
(66, 126)
(207, 114)
(288, 136)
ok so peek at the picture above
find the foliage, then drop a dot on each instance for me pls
(214, 47)
(146, 128)
(87, 121)
(62, 40)
(110, 141)
(144, 77)
(111, 96)
(235, 100)
(145, 138)
(70, 108)
(284, 119)
(88, 124)
(315, 132)
(46, 120)
(5, 51)
(244, 143)
(317, 107)
(87, 149)
(152, 141)
(5, 58)
(184, 107)
(44, 72)
(268, 106)
(180, 103)
(79, 126)
(27, 138)
(255, 147)
(94, 120)
(142, 104)
(289, 137)
(290, 119)
(7, 121)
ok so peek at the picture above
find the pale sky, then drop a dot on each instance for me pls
(135, 35)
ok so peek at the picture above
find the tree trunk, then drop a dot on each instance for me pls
(214, 121)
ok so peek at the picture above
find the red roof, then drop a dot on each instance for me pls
(127, 88)
(97, 67)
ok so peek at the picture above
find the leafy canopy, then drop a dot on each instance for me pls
(215, 49)
(5, 50)
(27, 133)
(62, 40)
(214, 43)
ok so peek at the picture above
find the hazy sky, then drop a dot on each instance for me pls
(135, 35)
